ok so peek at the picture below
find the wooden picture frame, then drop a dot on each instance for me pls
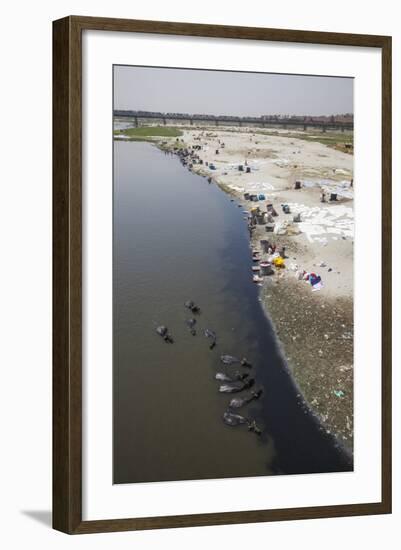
(67, 273)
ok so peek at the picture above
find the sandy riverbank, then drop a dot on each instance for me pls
(314, 328)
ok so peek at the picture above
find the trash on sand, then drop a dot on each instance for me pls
(339, 393)
(344, 368)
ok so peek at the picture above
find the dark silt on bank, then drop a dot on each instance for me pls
(176, 238)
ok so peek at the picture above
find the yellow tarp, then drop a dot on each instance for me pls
(279, 262)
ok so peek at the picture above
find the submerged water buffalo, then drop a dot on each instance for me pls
(253, 427)
(229, 359)
(163, 332)
(238, 402)
(234, 419)
(192, 306)
(212, 335)
(225, 378)
(191, 325)
(235, 387)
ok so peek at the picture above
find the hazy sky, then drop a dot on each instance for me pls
(229, 93)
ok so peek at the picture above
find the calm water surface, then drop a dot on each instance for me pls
(177, 238)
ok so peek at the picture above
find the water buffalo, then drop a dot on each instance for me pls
(238, 402)
(191, 325)
(228, 359)
(225, 378)
(234, 419)
(212, 335)
(163, 332)
(238, 386)
(191, 305)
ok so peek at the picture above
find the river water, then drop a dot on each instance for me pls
(176, 238)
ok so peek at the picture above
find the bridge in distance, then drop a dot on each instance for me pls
(139, 118)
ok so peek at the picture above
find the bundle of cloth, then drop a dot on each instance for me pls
(316, 281)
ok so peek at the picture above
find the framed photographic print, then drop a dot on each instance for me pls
(222, 274)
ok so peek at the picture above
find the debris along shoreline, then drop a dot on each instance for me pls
(296, 197)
